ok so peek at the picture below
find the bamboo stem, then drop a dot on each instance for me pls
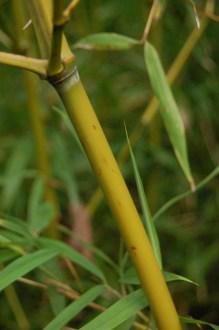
(81, 113)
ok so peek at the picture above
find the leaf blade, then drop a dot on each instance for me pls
(106, 41)
(148, 221)
(24, 265)
(72, 254)
(119, 312)
(169, 109)
(74, 308)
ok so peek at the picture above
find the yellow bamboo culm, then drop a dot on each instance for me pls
(107, 171)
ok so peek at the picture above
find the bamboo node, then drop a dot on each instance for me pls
(65, 79)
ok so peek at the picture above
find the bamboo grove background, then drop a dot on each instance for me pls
(119, 88)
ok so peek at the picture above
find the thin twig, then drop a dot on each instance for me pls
(32, 283)
(212, 16)
(74, 273)
(152, 15)
(70, 8)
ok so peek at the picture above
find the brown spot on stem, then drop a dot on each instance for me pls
(104, 160)
(94, 127)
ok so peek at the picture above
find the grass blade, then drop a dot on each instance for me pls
(169, 109)
(74, 308)
(147, 218)
(119, 312)
(24, 265)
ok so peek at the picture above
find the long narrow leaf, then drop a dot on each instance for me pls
(106, 41)
(16, 226)
(169, 109)
(190, 320)
(24, 265)
(148, 222)
(73, 255)
(74, 308)
(119, 312)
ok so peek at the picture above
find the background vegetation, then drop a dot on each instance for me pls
(119, 88)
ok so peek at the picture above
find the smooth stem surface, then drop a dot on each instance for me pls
(107, 171)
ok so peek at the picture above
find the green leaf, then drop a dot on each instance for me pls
(130, 277)
(171, 277)
(119, 312)
(57, 299)
(40, 213)
(169, 109)
(24, 265)
(65, 170)
(74, 308)
(127, 324)
(72, 255)
(106, 41)
(15, 225)
(190, 320)
(148, 222)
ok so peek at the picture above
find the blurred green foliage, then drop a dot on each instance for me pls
(119, 88)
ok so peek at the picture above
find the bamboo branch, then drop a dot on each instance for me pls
(41, 13)
(70, 8)
(23, 62)
(155, 8)
(55, 63)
